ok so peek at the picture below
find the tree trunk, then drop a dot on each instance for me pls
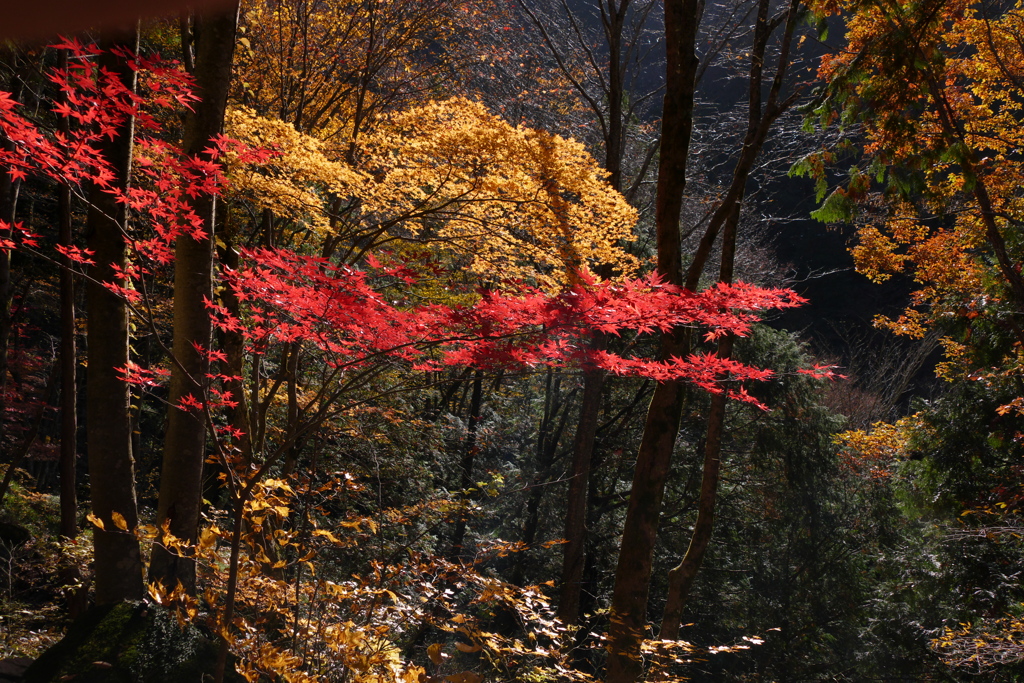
(185, 442)
(548, 437)
(576, 507)
(613, 16)
(291, 458)
(633, 573)
(68, 363)
(118, 565)
(233, 345)
(726, 218)
(468, 458)
(68, 379)
(8, 202)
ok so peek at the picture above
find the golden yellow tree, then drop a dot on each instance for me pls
(936, 87)
(452, 177)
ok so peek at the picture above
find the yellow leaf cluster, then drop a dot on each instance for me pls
(297, 181)
(332, 67)
(347, 630)
(979, 648)
(943, 88)
(875, 452)
(505, 203)
(515, 201)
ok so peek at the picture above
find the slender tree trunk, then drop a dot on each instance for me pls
(591, 571)
(68, 363)
(8, 202)
(576, 507)
(613, 16)
(69, 573)
(636, 552)
(681, 577)
(233, 345)
(556, 407)
(291, 458)
(726, 219)
(118, 565)
(185, 442)
(68, 379)
(468, 459)
(552, 390)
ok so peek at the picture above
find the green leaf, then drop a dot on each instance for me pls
(837, 208)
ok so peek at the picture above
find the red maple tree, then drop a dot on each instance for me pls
(354, 316)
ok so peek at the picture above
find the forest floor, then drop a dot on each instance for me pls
(37, 573)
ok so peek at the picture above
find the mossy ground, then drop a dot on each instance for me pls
(36, 574)
(127, 643)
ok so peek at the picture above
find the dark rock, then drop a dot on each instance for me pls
(11, 670)
(13, 535)
(129, 643)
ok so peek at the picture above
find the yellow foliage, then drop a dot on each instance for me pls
(300, 178)
(514, 200)
(300, 627)
(504, 203)
(332, 67)
(940, 87)
(980, 647)
(874, 452)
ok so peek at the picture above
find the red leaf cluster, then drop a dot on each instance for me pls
(293, 297)
(342, 310)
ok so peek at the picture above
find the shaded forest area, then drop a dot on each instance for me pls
(382, 341)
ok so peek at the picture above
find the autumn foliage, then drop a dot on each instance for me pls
(456, 241)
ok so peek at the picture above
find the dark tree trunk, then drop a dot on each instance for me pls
(576, 506)
(291, 458)
(556, 407)
(181, 475)
(118, 565)
(233, 345)
(681, 577)
(613, 17)
(8, 203)
(68, 379)
(633, 573)
(469, 453)
(761, 115)
(68, 365)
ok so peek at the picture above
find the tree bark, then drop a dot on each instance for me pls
(68, 379)
(118, 561)
(68, 363)
(574, 555)
(636, 552)
(761, 115)
(185, 442)
(468, 459)
(8, 203)
(613, 17)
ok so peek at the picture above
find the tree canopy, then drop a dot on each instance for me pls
(433, 341)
